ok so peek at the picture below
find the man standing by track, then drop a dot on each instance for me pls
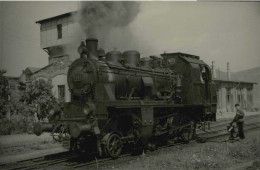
(239, 119)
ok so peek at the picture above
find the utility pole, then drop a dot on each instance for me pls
(213, 70)
(228, 72)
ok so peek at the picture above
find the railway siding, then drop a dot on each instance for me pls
(219, 127)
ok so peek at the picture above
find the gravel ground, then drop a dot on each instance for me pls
(139, 162)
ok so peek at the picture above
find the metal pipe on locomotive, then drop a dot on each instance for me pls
(119, 99)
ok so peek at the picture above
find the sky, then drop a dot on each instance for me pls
(216, 31)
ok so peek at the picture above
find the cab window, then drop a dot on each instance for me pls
(195, 72)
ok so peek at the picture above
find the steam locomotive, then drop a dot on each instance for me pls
(119, 99)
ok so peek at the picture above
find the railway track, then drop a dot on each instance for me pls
(222, 125)
(66, 160)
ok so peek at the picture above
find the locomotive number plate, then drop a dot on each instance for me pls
(77, 77)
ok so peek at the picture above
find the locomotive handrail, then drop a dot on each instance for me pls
(154, 74)
(139, 69)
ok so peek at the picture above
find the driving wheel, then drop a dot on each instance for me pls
(113, 146)
(60, 133)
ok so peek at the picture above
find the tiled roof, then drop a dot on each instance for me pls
(234, 81)
(32, 69)
(55, 17)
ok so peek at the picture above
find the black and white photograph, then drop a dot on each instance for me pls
(123, 85)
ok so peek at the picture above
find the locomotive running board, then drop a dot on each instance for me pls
(140, 103)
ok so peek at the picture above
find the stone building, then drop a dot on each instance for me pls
(230, 92)
(56, 35)
(27, 73)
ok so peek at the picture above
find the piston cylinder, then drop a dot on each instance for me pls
(39, 128)
(76, 130)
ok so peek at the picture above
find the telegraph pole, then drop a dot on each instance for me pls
(228, 73)
(213, 69)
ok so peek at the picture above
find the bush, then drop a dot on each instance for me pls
(4, 94)
(14, 126)
(39, 99)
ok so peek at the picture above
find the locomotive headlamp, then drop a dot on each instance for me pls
(88, 108)
(82, 48)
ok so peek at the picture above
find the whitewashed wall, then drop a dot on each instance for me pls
(60, 80)
(70, 31)
(222, 97)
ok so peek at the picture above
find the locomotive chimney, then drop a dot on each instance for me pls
(92, 45)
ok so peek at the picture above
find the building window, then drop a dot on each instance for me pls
(61, 90)
(59, 29)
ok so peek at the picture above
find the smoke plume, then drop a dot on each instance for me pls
(96, 17)
(108, 21)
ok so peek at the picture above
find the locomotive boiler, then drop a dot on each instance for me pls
(119, 99)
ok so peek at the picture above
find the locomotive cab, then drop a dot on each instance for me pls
(197, 81)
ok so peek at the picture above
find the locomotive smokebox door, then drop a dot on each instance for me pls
(147, 122)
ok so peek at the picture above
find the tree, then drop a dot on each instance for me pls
(38, 96)
(4, 93)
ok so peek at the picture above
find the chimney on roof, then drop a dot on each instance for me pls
(228, 71)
